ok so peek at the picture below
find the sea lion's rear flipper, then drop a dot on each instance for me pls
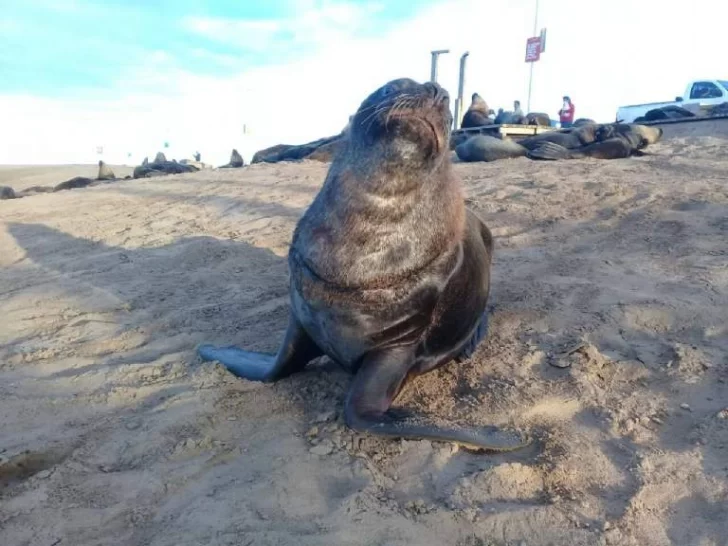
(297, 350)
(551, 151)
(376, 385)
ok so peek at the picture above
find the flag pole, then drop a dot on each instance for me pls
(530, 77)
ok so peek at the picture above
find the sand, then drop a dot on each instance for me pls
(609, 342)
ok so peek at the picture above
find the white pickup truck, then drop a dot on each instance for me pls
(698, 94)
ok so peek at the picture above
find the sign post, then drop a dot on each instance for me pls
(534, 47)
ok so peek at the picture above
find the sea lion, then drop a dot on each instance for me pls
(75, 183)
(583, 121)
(571, 138)
(326, 152)
(488, 148)
(105, 172)
(35, 190)
(538, 118)
(389, 272)
(291, 152)
(668, 112)
(504, 117)
(6, 192)
(236, 161)
(612, 141)
(161, 167)
(477, 114)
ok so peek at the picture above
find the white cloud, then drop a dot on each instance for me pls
(601, 54)
(311, 24)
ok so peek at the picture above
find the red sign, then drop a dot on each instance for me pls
(533, 49)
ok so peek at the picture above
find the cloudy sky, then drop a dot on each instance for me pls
(210, 75)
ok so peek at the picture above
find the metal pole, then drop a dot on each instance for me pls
(530, 77)
(461, 91)
(433, 68)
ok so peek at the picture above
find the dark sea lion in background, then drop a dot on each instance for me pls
(477, 114)
(6, 192)
(75, 183)
(584, 121)
(571, 138)
(34, 190)
(504, 117)
(389, 272)
(538, 118)
(160, 167)
(668, 112)
(261, 155)
(236, 161)
(105, 172)
(456, 139)
(326, 152)
(612, 141)
(291, 152)
(488, 148)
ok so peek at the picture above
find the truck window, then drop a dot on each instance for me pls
(705, 90)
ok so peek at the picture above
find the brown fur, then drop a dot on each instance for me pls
(401, 214)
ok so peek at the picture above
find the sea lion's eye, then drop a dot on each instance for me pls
(387, 90)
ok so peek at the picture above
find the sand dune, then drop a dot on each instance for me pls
(113, 432)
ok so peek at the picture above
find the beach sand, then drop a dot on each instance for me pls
(113, 431)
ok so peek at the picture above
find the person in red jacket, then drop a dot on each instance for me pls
(566, 114)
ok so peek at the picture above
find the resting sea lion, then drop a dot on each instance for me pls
(477, 114)
(668, 112)
(35, 190)
(105, 172)
(538, 118)
(6, 192)
(613, 141)
(74, 183)
(568, 138)
(488, 148)
(389, 272)
(583, 121)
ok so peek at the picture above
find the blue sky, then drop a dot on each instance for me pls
(62, 47)
(211, 75)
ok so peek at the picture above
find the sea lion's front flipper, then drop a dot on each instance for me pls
(378, 382)
(551, 151)
(296, 350)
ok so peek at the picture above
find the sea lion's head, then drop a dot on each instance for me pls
(478, 104)
(403, 122)
(649, 134)
(640, 136)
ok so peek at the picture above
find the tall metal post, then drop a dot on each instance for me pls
(461, 90)
(433, 68)
(530, 77)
